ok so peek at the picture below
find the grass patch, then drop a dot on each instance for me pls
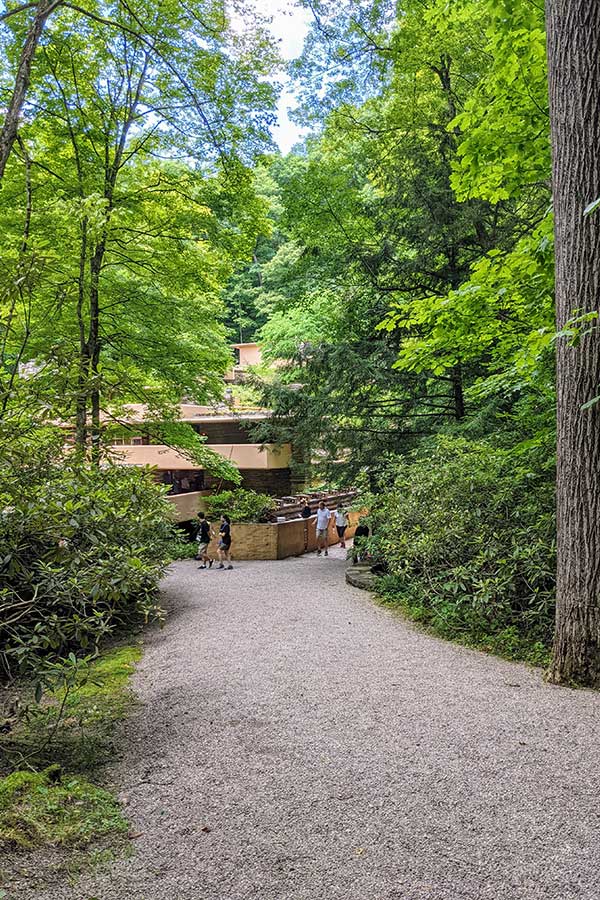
(43, 808)
(56, 744)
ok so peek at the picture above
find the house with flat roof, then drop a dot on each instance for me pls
(263, 467)
(226, 429)
(245, 357)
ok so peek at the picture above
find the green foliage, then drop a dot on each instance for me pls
(83, 550)
(183, 549)
(504, 148)
(383, 266)
(402, 265)
(501, 321)
(240, 505)
(245, 292)
(71, 721)
(115, 253)
(43, 808)
(413, 298)
(467, 532)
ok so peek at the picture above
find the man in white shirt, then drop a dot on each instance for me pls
(323, 517)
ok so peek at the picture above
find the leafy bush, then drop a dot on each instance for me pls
(240, 505)
(83, 550)
(73, 720)
(467, 532)
(183, 549)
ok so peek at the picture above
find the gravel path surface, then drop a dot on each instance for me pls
(297, 742)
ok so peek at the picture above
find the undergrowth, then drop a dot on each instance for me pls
(54, 746)
(183, 550)
(445, 621)
(466, 532)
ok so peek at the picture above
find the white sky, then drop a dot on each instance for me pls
(289, 26)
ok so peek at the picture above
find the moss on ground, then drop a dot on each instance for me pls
(81, 739)
(49, 799)
(44, 808)
(104, 694)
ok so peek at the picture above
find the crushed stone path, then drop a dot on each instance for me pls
(297, 742)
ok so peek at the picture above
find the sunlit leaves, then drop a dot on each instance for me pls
(504, 125)
(139, 122)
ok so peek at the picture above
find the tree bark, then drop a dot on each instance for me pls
(574, 70)
(93, 347)
(8, 135)
(83, 361)
(458, 395)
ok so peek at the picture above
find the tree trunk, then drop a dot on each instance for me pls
(8, 135)
(17, 294)
(458, 394)
(574, 63)
(93, 344)
(83, 361)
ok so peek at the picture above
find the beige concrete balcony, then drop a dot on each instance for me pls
(187, 506)
(244, 456)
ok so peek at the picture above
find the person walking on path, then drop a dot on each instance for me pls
(225, 543)
(306, 514)
(323, 517)
(205, 533)
(341, 523)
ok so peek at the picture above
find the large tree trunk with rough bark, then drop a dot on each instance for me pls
(574, 62)
(8, 134)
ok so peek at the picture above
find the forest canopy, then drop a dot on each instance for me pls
(398, 264)
(408, 281)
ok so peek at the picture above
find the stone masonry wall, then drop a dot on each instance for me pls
(279, 541)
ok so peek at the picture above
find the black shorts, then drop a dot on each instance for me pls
(341, 530)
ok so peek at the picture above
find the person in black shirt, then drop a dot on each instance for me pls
(306, 513)
(361, 533)
(203, 537)
(306, 510)
(225, 542)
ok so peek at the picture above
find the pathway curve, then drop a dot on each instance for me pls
(297, 742)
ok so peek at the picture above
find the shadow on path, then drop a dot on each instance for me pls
(296, 742)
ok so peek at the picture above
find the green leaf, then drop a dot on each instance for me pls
(590, 403)
(591, 207)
